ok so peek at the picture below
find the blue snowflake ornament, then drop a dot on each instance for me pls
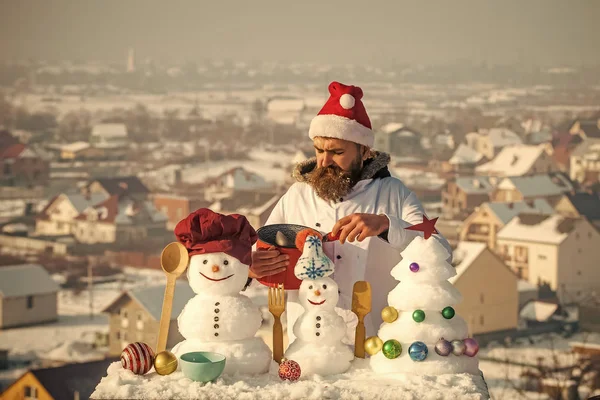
(313, 264)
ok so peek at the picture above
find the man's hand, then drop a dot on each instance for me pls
(267, 262)
(360, 226)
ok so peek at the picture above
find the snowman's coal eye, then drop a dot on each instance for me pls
(324, 286)
(310, 287)
(225, 262)
(205, 262)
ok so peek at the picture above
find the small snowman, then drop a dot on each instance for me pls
(318, 347)
(218, 318)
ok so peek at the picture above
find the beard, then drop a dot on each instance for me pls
(333, 183)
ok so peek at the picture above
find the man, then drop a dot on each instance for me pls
(347, 189)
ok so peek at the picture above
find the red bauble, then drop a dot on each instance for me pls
(289, 370)
(137, 357)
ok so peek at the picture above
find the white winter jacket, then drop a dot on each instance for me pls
(372, 259)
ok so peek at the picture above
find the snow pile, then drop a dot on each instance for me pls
(358, 382)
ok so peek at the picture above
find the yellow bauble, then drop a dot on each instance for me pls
(389, 314)
(165, 363)
(373, 345)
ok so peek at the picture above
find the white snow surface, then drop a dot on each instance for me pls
(357, 383)
(423, 296)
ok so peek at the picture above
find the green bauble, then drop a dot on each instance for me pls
(392, 349)
(448, 312)
(418, 315)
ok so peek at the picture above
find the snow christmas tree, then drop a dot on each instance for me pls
(421, 333)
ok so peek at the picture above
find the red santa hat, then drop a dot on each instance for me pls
(343, 116)
(205, 231)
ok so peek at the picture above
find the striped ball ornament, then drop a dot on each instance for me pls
(137, 357)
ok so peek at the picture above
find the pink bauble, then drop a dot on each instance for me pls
(137, 357)
(289, 370)
(471, 347)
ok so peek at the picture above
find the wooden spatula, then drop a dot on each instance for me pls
(361, 306)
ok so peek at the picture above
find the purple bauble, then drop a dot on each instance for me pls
(414, 267)
(471, 347)
(458, 347)
(443, 347)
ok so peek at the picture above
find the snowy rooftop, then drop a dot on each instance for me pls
(475, 184)
(25, 280)
(151, 298)
(513, 160)
(537, 185)
(507, 211)
(538, 310)
(465, 254)
(538, 228)
(75, 146)
(501, 137)
(110, 130)
(391, 127)
(465, 155)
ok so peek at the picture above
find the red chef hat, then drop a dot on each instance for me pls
(205, 231)
(343, 116)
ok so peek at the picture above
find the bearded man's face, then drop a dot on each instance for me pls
(339, 165)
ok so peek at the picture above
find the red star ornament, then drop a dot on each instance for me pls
(427, 227)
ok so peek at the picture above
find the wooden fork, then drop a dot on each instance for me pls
(277, 307)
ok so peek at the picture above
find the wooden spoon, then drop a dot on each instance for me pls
(361, 306)
(173, 260)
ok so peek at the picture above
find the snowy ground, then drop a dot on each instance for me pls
(358, 383)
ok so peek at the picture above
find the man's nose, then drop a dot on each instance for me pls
(215, 268)
(317, 293)
(326, 160)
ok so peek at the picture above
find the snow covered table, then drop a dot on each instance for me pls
(360, 382)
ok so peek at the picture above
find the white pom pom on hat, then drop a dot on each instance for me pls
(347, 101)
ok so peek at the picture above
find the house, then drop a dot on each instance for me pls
(177, 207)
(58, 217)
(109, 137)
(134, 316)
(71, 381)
(555, 250)
(519, 160)
(489, 289)
(461, 195)
(580, 205)
(234, 179)
(398, 140)
(585, 129)
(28, 296)
(585, 162)
(464, 160)
(255, 206)
(489, 142)
(20, 165)
(131, 186)
(520, 188)
(118, 219)
(485, 222)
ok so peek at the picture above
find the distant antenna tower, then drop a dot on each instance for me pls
(131, 60)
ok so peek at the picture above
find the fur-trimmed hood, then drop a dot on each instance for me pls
(373, 168)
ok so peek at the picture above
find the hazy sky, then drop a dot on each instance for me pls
(324, 31)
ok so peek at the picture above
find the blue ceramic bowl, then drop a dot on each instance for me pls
(202, 366)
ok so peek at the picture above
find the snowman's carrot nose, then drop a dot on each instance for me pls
(215, 268)
(317, 293)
